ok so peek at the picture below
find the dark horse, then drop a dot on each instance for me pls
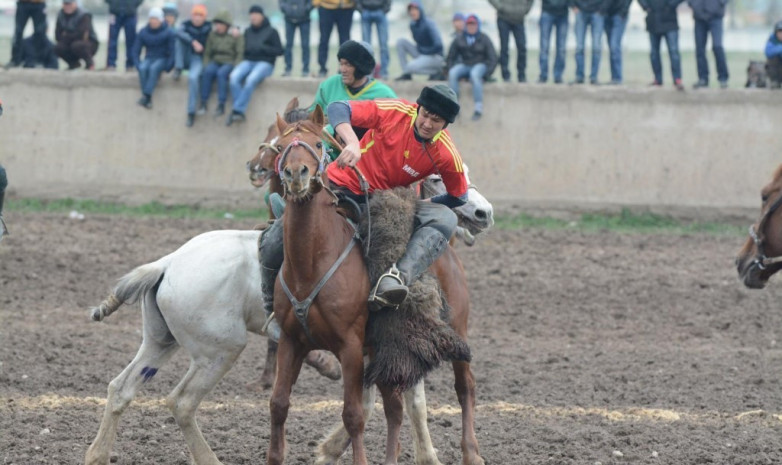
(315, 236)
(761, 255)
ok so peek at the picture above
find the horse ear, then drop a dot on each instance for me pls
(317, 116)
(281, 124)
(292, 105)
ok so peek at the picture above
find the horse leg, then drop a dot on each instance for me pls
(204, 373)
(394, 410)
(269, 369)
(465, 391)
(122, 389)
(415, 401)
(289, 359)
(335, 445)
(352, 412)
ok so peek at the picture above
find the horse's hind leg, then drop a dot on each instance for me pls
(269, 369)
(122, 389)
(415, 401)
(465, 391)
(290, 356)
(394, 410)
(335, 445)
(352, 362)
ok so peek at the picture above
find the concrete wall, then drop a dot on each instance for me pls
(82, 134)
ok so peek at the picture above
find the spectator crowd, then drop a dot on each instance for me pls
(215, 51)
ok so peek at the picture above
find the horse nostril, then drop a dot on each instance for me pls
(303, 171)
(481, 214)
(287, 172)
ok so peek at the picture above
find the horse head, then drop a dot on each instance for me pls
(477, 215)
(302, 156)
(761, 255)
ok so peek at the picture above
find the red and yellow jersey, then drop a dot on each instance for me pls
(390, 154)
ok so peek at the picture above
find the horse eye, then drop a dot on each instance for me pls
(319, 145)
(279, 148)
(764, 198)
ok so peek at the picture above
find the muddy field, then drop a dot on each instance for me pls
(584, 344)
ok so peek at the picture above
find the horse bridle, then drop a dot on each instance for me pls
(761, 260)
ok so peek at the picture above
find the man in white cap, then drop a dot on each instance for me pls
(159, 42)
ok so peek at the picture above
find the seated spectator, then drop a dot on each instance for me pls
(38, 52)
(75, 36)
(158, 41)
(224, 50)
(774, 57)
(426, 52)
(262, 46)
(170, 14)
(662, 22)
(478, 60)
(297, 15)
(191, 38)
(458, 24)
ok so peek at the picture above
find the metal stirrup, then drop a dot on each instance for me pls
(394, 273)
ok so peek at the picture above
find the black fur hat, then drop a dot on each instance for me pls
(440, 100)
(358, 54)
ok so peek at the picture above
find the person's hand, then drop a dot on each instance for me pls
(350, 155)
(235, 32)
(197, 47)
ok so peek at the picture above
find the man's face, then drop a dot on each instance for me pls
(154, 23)
(458, 25)
(428, 124)
(472, 28)
(256, 19)
(347, 71)
(170, 19)
(414, 13)
(221, 28)
(69, 8)
(197, 20)
(779, 35)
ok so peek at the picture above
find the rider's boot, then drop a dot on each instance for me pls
(424, 247)
(271, 262)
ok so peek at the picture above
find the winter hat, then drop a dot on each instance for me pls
(223, 17)
(473, 19)
(68, 1)
(256, 9)
(199, 10)
(458, 17)
(156, 13)
(440, 100)
(778, 26)
(170, 9)
(358, 54)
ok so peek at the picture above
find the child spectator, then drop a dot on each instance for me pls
(75, 36)
(224, 50)
(297, 15)
(158, 41)
(170, 14)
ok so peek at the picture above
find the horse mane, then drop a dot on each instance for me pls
(307, 126)
(296, 114)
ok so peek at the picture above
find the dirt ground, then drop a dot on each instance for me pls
(583, 345)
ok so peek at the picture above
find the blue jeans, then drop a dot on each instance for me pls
(505, 28)
(116, 23)
(304, 35)
(476, 74)
(149, 71)
(702, 29)
(615, 29)
(369, 17)
(195, 66)
(255, 72)
(595, 22)
(547, 22)
(215, 71)
(343, 19)
(672, 41)
(25, 11)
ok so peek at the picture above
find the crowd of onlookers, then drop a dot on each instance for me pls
(217, 50)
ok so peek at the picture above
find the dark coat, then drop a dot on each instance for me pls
(512, 11)
(661, 15)
(556, 7)
(158, 43)
(708, 10)
(589, 6)
(75, 26)
(124, 7)
(296, 11)
(188, 32)
(38, 51)
(617, 7)
(262, 43)
(372, 5)
(425, 33)
(481, 51)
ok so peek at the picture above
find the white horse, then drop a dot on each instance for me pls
(206, 297)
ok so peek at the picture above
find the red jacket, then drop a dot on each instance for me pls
(390, 154)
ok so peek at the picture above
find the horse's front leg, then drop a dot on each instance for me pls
(465, 391)
(415, 401)
(290, 355)
(352, 360)
(394, 410)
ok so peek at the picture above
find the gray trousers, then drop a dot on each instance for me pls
(420, 64)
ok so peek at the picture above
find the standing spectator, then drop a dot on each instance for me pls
(331, 13)
(75, 36)
(662, 22)
(170, 14)
(122, 15)
(588, 14)
(26, 9)
(374, 12)
(158, 40)
(458, 24)
(427, 51)
(262, 46)
(3, 185)
(615, 20)
(478, 60)
(553, 15)
(774, 57)
(297, 15)
(38, 52)
(708, 16)
(510, 19)
(224, 50)
(191, 39)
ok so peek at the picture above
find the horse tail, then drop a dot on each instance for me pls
(129, 289)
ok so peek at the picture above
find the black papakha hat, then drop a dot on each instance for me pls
(358, 54)
(440, 100)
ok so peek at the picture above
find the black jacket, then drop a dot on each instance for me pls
(124, 7)
(588, 6)
(616, 7)
(707, 10)
(556, 7)
(296, 11)
(74, 27)
(661, 15)
(481, 51)
(262, 43)
(372, 5)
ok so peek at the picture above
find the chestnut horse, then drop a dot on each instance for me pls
(316, 239)
(761, 255)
